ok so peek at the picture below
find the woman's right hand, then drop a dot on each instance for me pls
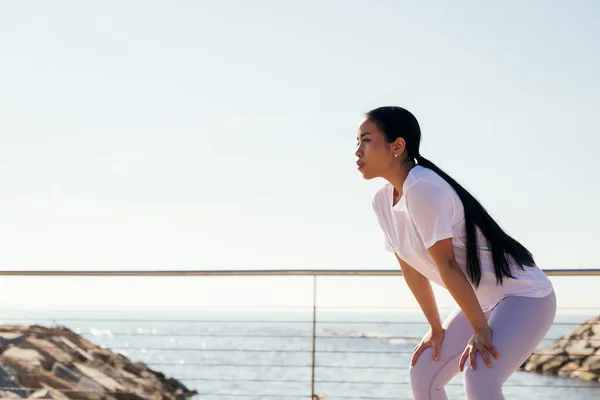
(431, 339)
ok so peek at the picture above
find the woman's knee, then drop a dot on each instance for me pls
(422, 373)
(428, 377)
(482, 383)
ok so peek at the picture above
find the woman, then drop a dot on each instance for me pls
(441, 233)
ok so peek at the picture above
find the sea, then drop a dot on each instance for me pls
(268, 354)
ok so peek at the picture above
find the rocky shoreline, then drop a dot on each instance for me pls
(37, 362)
(573, 356)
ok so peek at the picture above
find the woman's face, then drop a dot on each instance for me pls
(375, 155)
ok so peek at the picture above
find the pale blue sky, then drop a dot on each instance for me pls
(221, 134)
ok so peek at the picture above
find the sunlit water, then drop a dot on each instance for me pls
(267, 355)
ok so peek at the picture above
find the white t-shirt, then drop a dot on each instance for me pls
(430, 210)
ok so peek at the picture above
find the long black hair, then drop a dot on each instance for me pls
(395, 122)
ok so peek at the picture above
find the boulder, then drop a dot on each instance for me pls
(8, 383)
(48, 349)
(20, 355)
(100, 378)
(56, 363)
(575, 356)
(568, 369)
(10, 338)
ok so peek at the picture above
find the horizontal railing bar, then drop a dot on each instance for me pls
(539, 386)
(261, 395)
(148, 335)
(28, 389)
(299, 351)
(309, 308)
(14, 389)
(295, 366)
(353, 382)
(218, 336)
(205, 379)
(175, 364)
(120, 334)
(300, 396)
(273, 272)
(414, 322)
(220, 321)
(186, 321)
(413, 308)
(362, 382)
(246, 350)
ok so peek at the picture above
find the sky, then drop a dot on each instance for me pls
(221, 135)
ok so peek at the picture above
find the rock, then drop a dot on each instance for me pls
(89, 385)
(585, 376)
(20, 355)
(553, 365)
(81, 354)
(55, 394)
(49, 350)
(129, 396)
(536, 361)
(583, 329)
(133, 368)
(65, 373)
(34, 378)
(102, 354)
(40, 394)
(568, 369)
(592, 363)
(6, 394)
(56, 363)
(10, 338)
(579, 349)
(98, 376)
(576, 356)
(7, 381)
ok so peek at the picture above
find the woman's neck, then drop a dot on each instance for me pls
(398, 177)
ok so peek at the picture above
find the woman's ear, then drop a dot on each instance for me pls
(398, 147)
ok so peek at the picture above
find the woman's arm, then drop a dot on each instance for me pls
(421, 289)
(461, 290)
(457, 284)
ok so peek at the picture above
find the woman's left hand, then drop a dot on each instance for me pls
(481, 342)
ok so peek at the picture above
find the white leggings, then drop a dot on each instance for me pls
(518, 325)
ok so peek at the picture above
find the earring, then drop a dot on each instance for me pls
(395, 155)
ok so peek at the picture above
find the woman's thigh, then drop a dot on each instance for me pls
(518, 325)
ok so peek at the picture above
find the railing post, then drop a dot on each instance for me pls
(314, 337)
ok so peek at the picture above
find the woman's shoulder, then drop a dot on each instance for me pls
(423, 177)
(425, 185)
(381, 194)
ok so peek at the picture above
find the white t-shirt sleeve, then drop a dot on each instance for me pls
(431, 208)
(376, 208)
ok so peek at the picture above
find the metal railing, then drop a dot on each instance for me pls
(321, 344)
(264, 272)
